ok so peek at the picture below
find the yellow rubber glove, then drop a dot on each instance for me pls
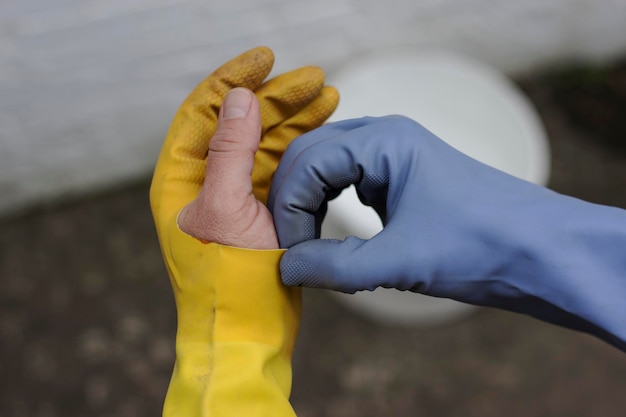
(237, 323)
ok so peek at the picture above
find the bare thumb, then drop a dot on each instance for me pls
(236, 140)
(227, 185)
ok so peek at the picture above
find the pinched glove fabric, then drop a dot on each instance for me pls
(237, 323)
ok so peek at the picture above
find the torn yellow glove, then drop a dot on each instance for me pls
(237, 323)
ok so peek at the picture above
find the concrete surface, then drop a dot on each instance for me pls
(87, 320)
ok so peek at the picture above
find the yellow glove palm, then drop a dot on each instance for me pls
(236, 322)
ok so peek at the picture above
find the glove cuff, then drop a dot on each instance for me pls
(237, 326)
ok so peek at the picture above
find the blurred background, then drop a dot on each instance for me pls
(87, 91)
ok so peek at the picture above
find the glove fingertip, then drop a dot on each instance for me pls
(298, 273)
(330, 98)
(330, 92)
(312, 264)
(266, 56)
(265, 51)
(313, 73)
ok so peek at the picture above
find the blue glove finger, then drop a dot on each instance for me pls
(319, 164)
(308, 189)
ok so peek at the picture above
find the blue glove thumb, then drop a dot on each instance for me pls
(342, 262)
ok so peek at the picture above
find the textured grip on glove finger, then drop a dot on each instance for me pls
(299, 273)
(277, 136)
(291, 104)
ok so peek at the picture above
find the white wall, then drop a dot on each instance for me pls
(88, 87)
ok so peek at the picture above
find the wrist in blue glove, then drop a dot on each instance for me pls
(453, 227)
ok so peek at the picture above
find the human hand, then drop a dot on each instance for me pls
(237, 323)
(290, 104)
(226, 210)
(453, 227)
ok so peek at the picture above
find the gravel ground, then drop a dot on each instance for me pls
(87, 319)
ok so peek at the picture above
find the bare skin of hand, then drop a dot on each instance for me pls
(226, 211)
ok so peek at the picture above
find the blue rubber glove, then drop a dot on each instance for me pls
(453, 227)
